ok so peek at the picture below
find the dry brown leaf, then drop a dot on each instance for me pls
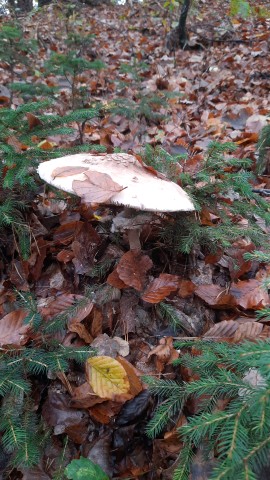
(33, 121)
(215, 296)
(84, 397)
(248, 331)
(12, 329)
(16, 144)
(186, 288)
(164, 352)
(97, 188)
(224, 329)
(250, 294)
(105, 411)
(67, 171)
(65, 256)
(133, 376)
(132, 269)
(114, 280)
(160, 287)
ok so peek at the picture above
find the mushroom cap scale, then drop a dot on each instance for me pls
(141, 189)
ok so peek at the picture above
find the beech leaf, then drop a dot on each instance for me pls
(160, 287)
(132, 269)
(97, 188)
(67, 171)
(33, 121)
(12, 328)
(107, 377)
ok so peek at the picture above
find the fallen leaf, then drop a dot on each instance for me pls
(107, 377)
(224, 329)
(250, 294)
(12, 329)
(33, 121)
(67, 171)
(97, 188)
(133, 376)
(164, 353)
(132, 269)
(114, 280)
(160, 287)
(215, 296)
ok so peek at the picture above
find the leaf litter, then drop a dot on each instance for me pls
(223, 96)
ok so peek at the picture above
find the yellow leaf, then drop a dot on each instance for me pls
(45, 145)
(106, 376)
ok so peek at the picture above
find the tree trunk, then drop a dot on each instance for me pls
(182, 29)
(41, 3)
(11, 3)
(24, 5)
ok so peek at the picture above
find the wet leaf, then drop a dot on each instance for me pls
(134, 409)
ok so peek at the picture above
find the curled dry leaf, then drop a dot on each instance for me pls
(133, 376)
(12, 329)
(67, 171)
(107, 377)
(164, 353)
(132, 269)
(97, 188)
(160, 287)
(33, 121)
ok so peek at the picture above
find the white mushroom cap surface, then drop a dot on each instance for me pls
(141, 189)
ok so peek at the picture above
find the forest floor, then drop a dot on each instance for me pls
(222, 84)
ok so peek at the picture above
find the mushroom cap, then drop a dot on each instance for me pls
(141, 189)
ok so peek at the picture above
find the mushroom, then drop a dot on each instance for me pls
(117, 179)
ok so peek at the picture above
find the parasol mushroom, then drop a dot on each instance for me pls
(117, 179)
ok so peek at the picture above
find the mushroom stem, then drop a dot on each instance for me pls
(134, 239)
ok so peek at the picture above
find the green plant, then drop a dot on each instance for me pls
(232, 398)
(85, 469)
(263, 151)
(144, 106)
(22, 132)
(221, 186)
(240, 8)
(23, 433)
(71, 65)
(15, 48)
